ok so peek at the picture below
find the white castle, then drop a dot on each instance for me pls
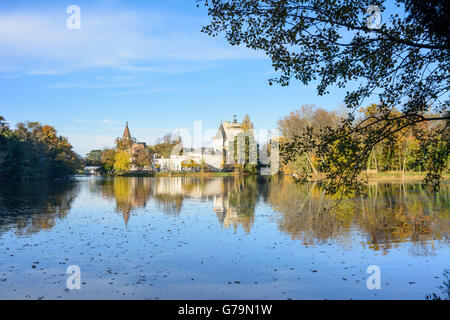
(215, 157)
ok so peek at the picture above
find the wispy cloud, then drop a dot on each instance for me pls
(65, 85)
(40, 44)
(159, 90)
(104, 121)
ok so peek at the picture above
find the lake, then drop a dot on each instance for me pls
(221, 238)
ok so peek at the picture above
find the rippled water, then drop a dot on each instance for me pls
(220, 238)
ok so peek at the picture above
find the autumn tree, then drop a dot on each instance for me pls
(297, 124)
(122, 161)
(141, 157)
(35, 151)
(247, 124)
(402, 63)
(164, 146)
(124, 144)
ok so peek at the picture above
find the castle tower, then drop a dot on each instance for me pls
(126, 133)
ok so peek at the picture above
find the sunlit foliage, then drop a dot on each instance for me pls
(402, 64)
(35, 151)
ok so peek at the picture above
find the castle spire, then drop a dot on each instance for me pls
(126, 133)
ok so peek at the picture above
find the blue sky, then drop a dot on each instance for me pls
(145, 62)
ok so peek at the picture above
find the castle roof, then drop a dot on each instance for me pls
(126, 133)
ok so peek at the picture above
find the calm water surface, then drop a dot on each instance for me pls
(220, 238)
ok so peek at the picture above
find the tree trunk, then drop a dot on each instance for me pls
(375, 157)
(311, 164)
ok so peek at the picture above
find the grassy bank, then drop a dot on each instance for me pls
(398, 175)
(371, 176)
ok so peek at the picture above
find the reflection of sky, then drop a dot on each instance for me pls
(191, 255)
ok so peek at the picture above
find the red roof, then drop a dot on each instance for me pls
(126, 133)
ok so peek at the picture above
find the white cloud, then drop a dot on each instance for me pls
(150, 91)
(104, 121)
(65, 85)
(39, 43)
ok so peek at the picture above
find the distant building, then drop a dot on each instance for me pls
(226, 133)
(213, 158)
(92, 170)
(127, 139)
(128, 143)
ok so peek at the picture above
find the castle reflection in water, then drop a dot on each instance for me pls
(233, 199)
(388, 214)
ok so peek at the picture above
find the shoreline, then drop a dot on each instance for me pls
(369, 177)
(179, 174)
(399, 176)
(389, 176)
(382, 176)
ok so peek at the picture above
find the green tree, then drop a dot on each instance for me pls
(35, 151)
(94, 158)
(108, 159)
(245, 149)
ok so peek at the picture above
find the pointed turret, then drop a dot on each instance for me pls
(126, 133)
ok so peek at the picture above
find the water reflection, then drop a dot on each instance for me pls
(234, 200)
(129, 193)
(391, 213)
(35, 206)
(236, 205)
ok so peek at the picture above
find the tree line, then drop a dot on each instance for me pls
(34, 151)
(307, 154)
(126, 154)
(403, 64)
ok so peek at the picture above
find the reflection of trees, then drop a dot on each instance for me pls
(396, 213)
(169, 192)
(170, 204)
(304, 211)
(238, 202)
(391, 213)
(31, 207)
(234, 198)
(129, 193)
